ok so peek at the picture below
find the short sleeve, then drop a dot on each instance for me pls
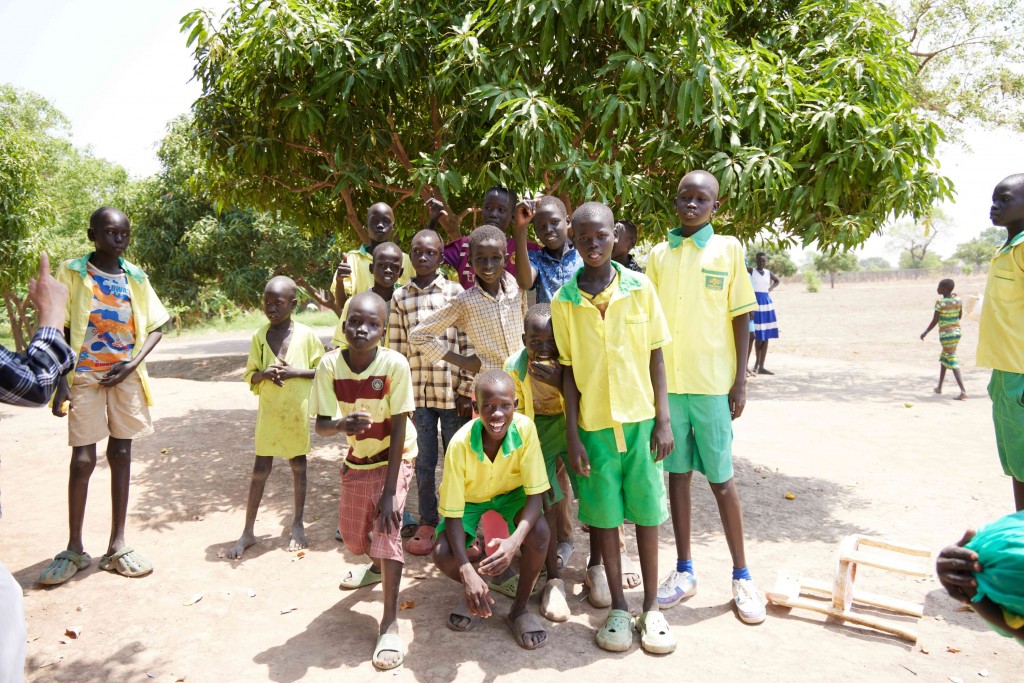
(451, 501)
(156, 314)
(253, 363)
(563, 337)
(658, 326)
(741, 291)
(1018, 256)
(510, 370)
(534, 473)
(401, 396)
(64, 277)
(314, 350)
(322, 400)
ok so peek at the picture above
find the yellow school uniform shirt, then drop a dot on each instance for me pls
(361, 279)
(383, 389)
(148, 313)
(535, 398)
(282, 419)
(1001, 335)
(470, 476)
(610, 356)
(703, 284)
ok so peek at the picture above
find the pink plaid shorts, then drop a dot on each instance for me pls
(357, 511)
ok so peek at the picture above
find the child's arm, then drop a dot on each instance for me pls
(436, 213)
(774, 281)
(283, 372)
(578, 459)
(342, 273)
(548, 374)
(526, 274)
(429, 338)
(662, 440)
(63, 391)
(389, 517)
(464, 392)
(501, 557)
(478, 596)
(352, 424)
(933, 323)
(741, 337)
(120, 371)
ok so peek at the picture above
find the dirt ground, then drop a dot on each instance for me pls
(849, 425)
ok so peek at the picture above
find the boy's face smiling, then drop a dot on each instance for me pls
(497, 210)
(488, 260)
(113, 234)
(425, 254)
(551, 226)
(496, 403)
(539, 340)
(386, 268)
(594, 238)
(278, 304)
(364, 325)
(696, 200)
(380, 223)
(1007, 204)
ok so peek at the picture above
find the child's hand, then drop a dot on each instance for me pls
(956, 567)
(737, 399)
(463, 406)
(578, 459)
(472, 364)
(523, 215)
(662, 440)
(547, 371)
(61, 396)
(283, 372)
(117, 374)
(436, 209)
(389, 519)
(355, 423)
(478, 596)
(923, 335)
(500, 558)
(344, 269)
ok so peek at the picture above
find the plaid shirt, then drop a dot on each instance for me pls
(30, 379)
(433, 385)
(494, 326)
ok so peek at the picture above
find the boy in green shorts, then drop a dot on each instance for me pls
(702, 282)
(609, 328)
(1001, 337)
(538, 379)
(494, 463)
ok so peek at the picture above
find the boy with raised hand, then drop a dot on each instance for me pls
(282, 360)
(365, 392)
(114, 319)
(702, 281)
(1001, 336)
(442, 393)
(609, 329)
(353, 273)
(494, 463)
(490, 313)
(386, 270)
(549, 268)
(498, 206)
(538, 381)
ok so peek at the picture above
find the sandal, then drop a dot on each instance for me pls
(422, 542)
(463, 612)
(564, 552)
(597, 581)
(655, 635)
(553, 605)
(359, 577)
(523, 624)
(126, 562)
(388, 642)
(617, 633)
(65, 565)
(630, 576)
(510, 586)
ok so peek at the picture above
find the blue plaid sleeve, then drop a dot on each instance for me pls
(29, 379)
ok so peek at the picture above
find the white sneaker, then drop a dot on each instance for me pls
(749, 601)
(675, 588)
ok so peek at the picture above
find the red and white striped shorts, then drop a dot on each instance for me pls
(357, 512)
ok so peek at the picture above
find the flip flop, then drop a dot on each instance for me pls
(409, 525)
(564, 551)
(389, 642)
(553, 605)
(463, 611)
(337, 534)
(422, 542)
(526, 623)
(126, 562)
(510, 586)
(655, 635)
(630, 576)
(359, 577)
(617, 633)
(597, 581)
(65, 565)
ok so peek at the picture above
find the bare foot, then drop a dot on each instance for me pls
(630, 576)
(298, 541)
(751, 373)
(762, 371)
(388, 659)
(962, 396)
(937, 390)
(247, 540)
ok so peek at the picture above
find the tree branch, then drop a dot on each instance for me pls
(353, 217)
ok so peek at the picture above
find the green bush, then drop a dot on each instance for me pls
(811, 280)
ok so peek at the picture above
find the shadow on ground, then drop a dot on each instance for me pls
(202, 369)
(844, 387)
(77, 666)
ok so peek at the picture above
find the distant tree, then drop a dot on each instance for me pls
(779, 260)
(930, 260)
(839, 262)
(976, 252)
(875, 263)
(915, 238)
(994, 236)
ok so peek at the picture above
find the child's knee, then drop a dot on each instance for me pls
(539, 535)
(725, 488)
(83, 462)
(119, 451)
(298, 464)
(442, 551)
(261, 469)
(680, 478)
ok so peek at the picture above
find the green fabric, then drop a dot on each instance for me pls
(702, 429)
(80, 266)
(1007, 392)
(1000, 548)
(511, 442)
(506, 504)
(570, 291)
(700, 238)
(551, 432)
(1014, 242)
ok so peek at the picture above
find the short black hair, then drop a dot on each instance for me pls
(509, 194)
(489, 378)
(278, 282)
(98, 214)
(550, 200)
(593, 209)
(373, 297)
(1016, 179)
(427, 232)
(947, 282)
(628, 226)
(486, 233)
(385, 247)
(701, 174)
(539, 314)
(760, 254)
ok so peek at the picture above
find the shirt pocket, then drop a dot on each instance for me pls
(636, 330)
(715, 282)
(1008, 285)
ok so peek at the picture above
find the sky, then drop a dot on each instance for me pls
(119, 70)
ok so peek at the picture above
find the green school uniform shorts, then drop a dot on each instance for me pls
(551, 432)
(1007, 392)
(507, 504)
(702, 429)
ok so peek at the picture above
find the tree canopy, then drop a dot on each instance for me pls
(804, 110)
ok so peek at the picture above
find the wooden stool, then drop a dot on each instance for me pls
(853, 551)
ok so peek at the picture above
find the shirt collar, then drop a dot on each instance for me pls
(507, 286)
(518, 363)
(569, 253)
(81, 266)
(1014, 242)
(699, 238)
(365, 250)
(510, 443)
(628, 281)
(433, 283)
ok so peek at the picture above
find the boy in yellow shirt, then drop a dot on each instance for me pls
(353, 273)
(610, 329)
(494, 463)
(386, 271)
(283, 357)
(703, 285)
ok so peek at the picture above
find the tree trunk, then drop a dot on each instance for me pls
(17, 320)
(832, 279)
(318, 295)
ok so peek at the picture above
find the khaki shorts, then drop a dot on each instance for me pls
(98, 412)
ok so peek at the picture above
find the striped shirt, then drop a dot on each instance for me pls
(434, 385)
(493, 325)
(383, 389)
(29, 379)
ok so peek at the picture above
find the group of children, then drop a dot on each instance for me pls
(613, 378)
